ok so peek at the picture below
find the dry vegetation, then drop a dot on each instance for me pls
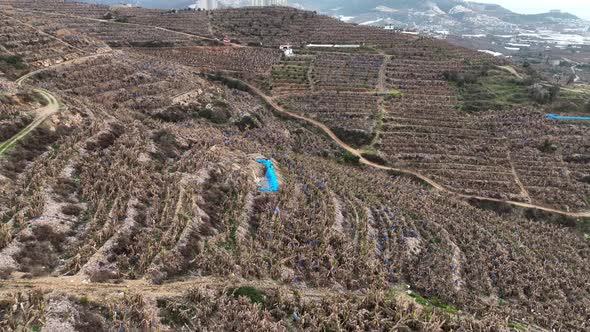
(95, 35)
(275, 26)
(24, 47)
(335, 72)
(353, 117)
(497, 154)
(15, 110)
(232, 308)
(292, 75)
(250, 60)
(146, 180)
(190, 22)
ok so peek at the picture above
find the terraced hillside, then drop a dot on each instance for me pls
(135, 205)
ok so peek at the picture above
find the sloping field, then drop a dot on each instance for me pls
(137, 205)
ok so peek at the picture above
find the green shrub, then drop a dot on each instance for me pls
(517, 326)
(542, 95)
(229, 82)
(13, 61)
(347, 157)
(255, 295)
(71, 210)
(434, 302)
(84, 300)
(548, 147)
(355, 138)
(215, 115)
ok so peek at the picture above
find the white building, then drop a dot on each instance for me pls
(261, 3)
(287, 49)
(207, 4)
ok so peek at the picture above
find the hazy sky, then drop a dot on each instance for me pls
(580, 8)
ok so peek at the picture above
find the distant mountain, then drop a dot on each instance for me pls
(455, 16)
(350, 7)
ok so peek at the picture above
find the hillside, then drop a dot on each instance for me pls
(421, 186)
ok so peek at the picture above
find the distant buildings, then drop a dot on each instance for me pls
(207, 4)
(261, 3)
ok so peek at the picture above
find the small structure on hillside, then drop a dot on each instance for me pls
(333, 45)
(287, 49)
(226, 40)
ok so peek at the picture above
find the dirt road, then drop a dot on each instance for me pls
(23, 78)
(81, 286)
(42, 114)
(431, 182)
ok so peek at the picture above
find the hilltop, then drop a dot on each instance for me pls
(421, 186)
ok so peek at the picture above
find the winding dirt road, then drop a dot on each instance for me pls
(271, 101)
(43, 114)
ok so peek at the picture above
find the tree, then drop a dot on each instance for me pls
(548, 147)
(554, 92)
(540, 94)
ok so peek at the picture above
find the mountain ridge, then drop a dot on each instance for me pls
(454, 16)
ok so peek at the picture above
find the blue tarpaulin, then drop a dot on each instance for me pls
(562, 117)
(270, 175)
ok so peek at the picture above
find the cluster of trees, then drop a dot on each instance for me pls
(542, 94)
(13, 61)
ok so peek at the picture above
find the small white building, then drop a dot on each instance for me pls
(287, 49)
